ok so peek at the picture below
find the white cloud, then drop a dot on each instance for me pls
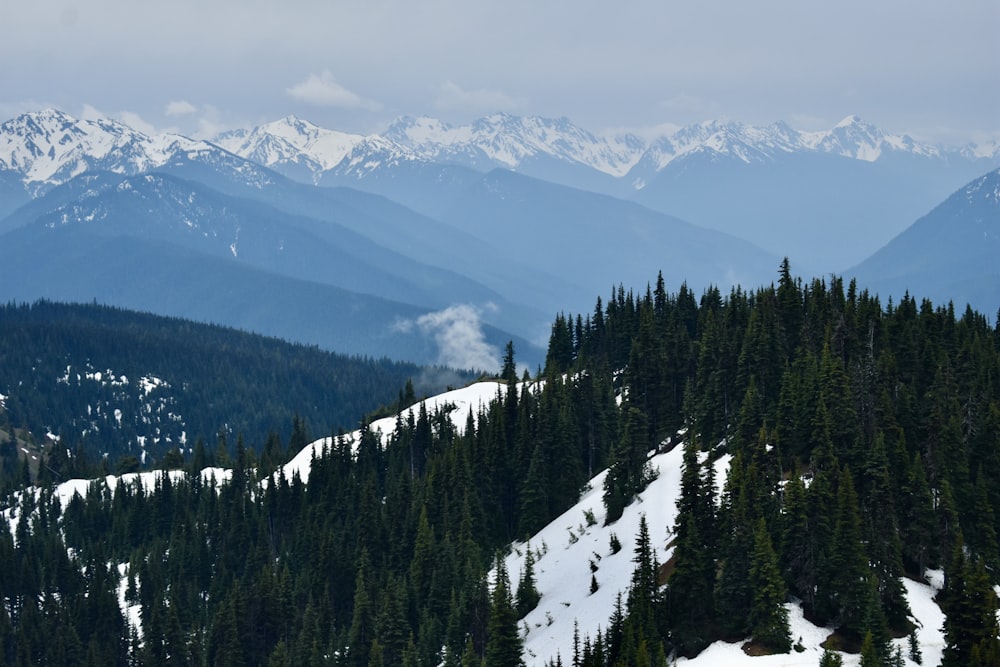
(89, 112)
(323, 90)
(136, 122)
(130, 118)
(179, 108)
(459, 335)
(452, 97)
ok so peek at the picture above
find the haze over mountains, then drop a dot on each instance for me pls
(347, 241)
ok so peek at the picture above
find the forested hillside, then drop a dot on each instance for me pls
(862, 437)
(121, 388)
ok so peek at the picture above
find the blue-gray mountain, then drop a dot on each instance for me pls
(518, 217)
(158, 243)
(950, 254)
(828, 199)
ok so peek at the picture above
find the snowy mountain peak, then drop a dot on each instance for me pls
(290, 142)
(852, 120)
(855, 138)
(50, 147)
(503, 139)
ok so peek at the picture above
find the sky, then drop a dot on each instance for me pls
(923, 67)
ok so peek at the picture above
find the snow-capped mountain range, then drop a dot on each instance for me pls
(48, 147)
(507, 141)
(827, 200)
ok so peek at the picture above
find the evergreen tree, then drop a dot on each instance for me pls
(970, 606)
(768, 615)
(850, 573)
(689, 595)
(628, 473)
(527, 593)
(503, 645)
(643, 592)
(831, 659)
(362, 631)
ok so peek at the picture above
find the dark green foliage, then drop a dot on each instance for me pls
(170, 379)
(830, 659)
(970, 606)
(628, 472)
(503, 645)
(863, 442)
(689, 608)
(768, 617)
(527, 593)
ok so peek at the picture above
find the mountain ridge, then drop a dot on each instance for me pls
(501, 139)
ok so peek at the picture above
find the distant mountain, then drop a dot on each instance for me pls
(602, 241)
(50, 147)
(825, 198)
(155, 207)
(515, 142)
(291, 146)
(950, 254)
(154, 242)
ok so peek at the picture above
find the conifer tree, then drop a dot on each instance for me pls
(970, 606)
(768, 615)
(689, 607)
(628, 473)
(527, 593)
(503, 644)
(642, 595)
(830, 659)
(849, 566)
(733, 591)
(362, 631)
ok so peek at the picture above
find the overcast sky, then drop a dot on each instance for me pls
(924, 67)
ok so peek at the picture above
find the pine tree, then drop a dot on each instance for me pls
(503, 645)
(849, 566)
(362, 631)
(970, 606)
(628, 473)
(689, 607)
(733, 587)
(831, 659)
(642, 594)
(768, 615)
(527, 592)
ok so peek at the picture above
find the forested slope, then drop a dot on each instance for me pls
(114, 383)
(862, 438)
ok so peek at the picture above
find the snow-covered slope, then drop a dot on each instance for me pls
(461, 403)
(566, 549)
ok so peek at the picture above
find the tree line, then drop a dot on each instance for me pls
(122, 389)
(861, 438)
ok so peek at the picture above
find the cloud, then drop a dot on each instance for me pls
(459, 335)
(179, 108)
(130, 118)
(452, 97)
(324, 91)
